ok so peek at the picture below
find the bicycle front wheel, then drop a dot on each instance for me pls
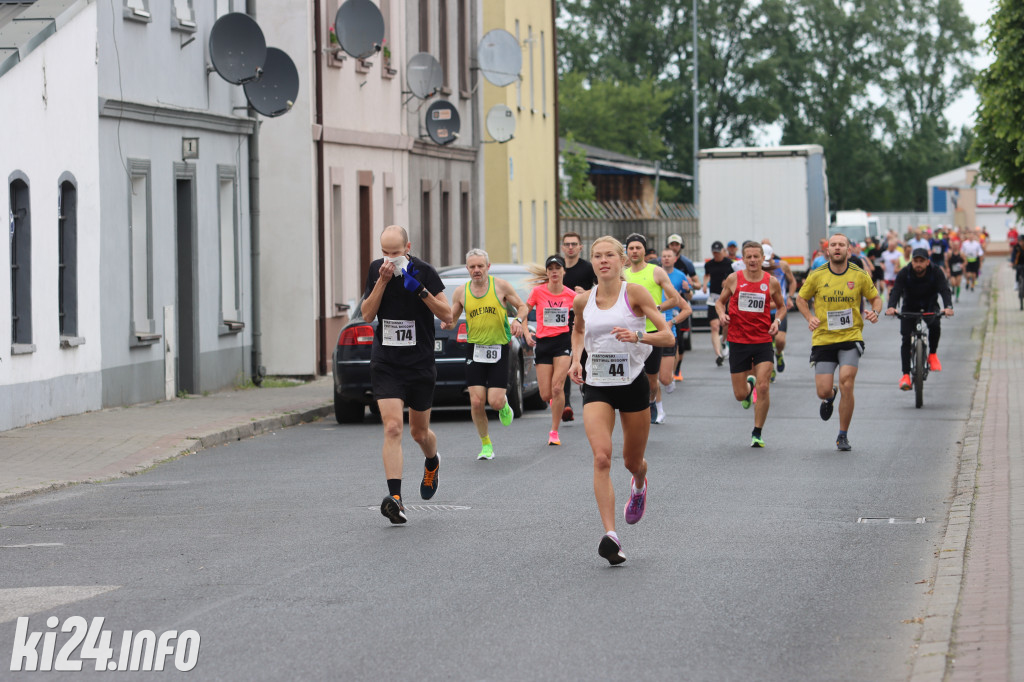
(920, 358)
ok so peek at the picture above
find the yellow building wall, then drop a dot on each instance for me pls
(520, 175)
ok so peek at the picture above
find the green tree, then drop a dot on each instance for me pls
(999, 144)
(574, 164)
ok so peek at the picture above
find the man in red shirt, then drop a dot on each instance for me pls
(748, 296)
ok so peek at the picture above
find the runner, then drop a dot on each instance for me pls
(939, 247)
(486, 300)
(891, 263)
(675, 242)
(731, 251)
(955, 267)
(716, 271)
(653, 278)
(918, 285)
(406, 294)
(975, 255)
(553, 301)
(678, 320)
(751, 328)
(781, 271)
(610, 323)
(837, 341)
(579, 276)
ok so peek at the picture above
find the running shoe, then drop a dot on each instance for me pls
(611, 550)
(826, 405)
(660, 418)
(772, 378)
(780, 361)
(905, 383)
(393, 508)
(505, 414)
(678, 377)
(756, 442)
(749, 400)
(634, 509)
(428, 486)
(933, 362)
(553, 438)
(842, 443)
(567, 414)
(725, 349)
(719, 360)
(671, 387)
(487, 452)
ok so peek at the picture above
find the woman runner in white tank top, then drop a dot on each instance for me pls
(610, 323)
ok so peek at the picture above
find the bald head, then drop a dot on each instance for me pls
(394, 241)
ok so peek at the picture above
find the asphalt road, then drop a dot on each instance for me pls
(750, 564)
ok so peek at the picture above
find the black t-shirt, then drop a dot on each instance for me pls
(579, 275)
(919, 294)
(399, 304)
(717, 272)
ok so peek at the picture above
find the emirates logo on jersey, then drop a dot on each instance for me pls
(850, 285)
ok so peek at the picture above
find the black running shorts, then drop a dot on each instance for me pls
(553, 346)
(974, 266)
(489, 374)
(414, 387)
(633, 397)
(743, 357)
(652, 365)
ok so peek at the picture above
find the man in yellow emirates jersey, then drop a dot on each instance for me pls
(486, 300)
(837, 289)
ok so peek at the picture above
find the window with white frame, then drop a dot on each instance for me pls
(137, 9)
(20, 218)
(184, 16)
(229, 247)
(140, 232)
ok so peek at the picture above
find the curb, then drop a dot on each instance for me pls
(933, 654)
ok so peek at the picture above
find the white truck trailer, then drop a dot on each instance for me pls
(778, 193)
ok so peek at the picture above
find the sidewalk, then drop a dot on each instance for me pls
(123, 440)
(974, 627)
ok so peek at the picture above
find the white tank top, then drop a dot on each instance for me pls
(598, 340)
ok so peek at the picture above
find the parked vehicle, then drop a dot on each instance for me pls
(351, 358)
(755, 192)
(856, 225)
(699, 319)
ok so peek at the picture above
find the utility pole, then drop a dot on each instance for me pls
(696, 122)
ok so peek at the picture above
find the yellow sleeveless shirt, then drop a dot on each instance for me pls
(486, 317)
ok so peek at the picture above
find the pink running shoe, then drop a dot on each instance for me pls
(634, 509)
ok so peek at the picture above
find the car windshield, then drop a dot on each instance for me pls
(519, 279)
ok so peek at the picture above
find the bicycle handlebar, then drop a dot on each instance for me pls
(913, 315)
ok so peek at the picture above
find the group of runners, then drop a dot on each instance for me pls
(612, 325)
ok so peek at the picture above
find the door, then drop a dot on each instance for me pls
(188, 331)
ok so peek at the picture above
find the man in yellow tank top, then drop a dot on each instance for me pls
(655, 280)
(486, 300)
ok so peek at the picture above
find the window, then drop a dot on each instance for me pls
(543, 77)
(464, 218)
(20, 219)
(442, 41)
(463, 48)
(424, 25)
(425, 221)
(229, 247)
(529, 40)
(140, 234)
(519, 81)
(67, 258)
(137, 10)
(446, 225)
(183, 17)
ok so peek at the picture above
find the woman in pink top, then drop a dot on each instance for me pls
(553, 301)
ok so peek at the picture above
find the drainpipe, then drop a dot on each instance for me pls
(321, 246)
(558, 158)
(258, 370)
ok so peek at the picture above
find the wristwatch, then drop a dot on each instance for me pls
(423, 293)
(518, 320)
(639, 335)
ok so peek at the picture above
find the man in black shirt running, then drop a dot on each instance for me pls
(579, 276)
(405, 293)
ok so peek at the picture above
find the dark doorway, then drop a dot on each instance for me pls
(365, 231)
(188, 374)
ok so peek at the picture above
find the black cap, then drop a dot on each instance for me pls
(920, 253)
(556, 259)
(717, 246)
(635, 237)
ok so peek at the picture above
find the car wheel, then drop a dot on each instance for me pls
(348, 411)
(514, 394)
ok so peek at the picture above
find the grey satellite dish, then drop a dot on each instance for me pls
(237, 48)
(443, 122)
(424, 75)
(359, 26)
(501, 123)
(274, 92)
(500, 57)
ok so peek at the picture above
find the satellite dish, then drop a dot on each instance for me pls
(237, 48)
(274, 92)
(501, 123)
(500, 57)
(442, 122)
(423, 75)
(359, 26)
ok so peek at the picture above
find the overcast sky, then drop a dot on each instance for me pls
(961, 112)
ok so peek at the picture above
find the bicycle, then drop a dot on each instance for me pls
(919, 353)
(1020, 285)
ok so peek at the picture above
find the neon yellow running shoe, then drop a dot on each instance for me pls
(487, 452)
(756, 442)
(505, 414)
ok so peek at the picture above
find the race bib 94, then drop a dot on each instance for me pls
(840, 319)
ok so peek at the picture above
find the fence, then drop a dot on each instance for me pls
(593, 219)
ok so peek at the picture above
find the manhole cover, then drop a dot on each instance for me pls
(889, 519)
(430, 507)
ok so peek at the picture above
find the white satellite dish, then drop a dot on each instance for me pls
(501, 123)
(500, 57)
(423, 75)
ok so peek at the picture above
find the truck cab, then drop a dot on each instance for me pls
(856, 225)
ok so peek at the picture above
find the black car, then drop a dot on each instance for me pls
(699, 320)
(352, 389)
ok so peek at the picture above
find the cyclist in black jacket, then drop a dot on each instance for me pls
(1017, 255)
(918, 285)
